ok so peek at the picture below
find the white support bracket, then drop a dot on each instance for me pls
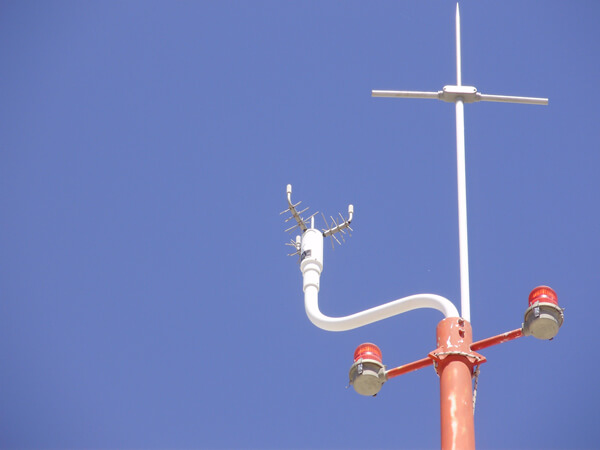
(312, 265)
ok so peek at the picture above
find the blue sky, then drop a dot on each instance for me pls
(146, 299)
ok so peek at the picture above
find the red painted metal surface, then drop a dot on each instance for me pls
(401, 370)
(475, 346)
(494, 340)
(454, 363)
(456, 403)
(454, 360)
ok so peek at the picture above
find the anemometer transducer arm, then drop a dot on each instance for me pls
(310, 248)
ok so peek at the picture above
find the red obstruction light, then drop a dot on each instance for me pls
(543, 294)
(367, 374)
(543, 317)
(368, 351)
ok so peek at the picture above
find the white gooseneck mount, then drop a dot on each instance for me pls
(310, 248)
(311, 266)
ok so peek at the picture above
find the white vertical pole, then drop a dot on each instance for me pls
(465, 301)
(458, 58)
(462, 212)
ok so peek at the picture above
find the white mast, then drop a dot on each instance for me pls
(459, 95)
(458, 63)
(461, 176)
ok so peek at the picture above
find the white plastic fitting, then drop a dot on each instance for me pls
(311, 266)
(311, 258)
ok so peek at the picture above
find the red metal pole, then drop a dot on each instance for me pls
(454, 364)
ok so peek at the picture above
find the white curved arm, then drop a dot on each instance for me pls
(312, 266)
(311, 303)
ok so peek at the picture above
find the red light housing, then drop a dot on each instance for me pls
(367, 373)
(367, 351)
(543, 317)
(543, 294)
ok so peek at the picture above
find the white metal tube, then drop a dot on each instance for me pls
(311, 268)
(458, 57)
(512, 99)
(406, 94)
(311, 304)
(462, 212)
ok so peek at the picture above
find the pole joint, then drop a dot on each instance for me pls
(454, 336)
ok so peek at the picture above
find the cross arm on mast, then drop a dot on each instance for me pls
(512, 99)
(468, 94)
(406, 94)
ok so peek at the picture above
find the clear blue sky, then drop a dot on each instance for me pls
(146, 299)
